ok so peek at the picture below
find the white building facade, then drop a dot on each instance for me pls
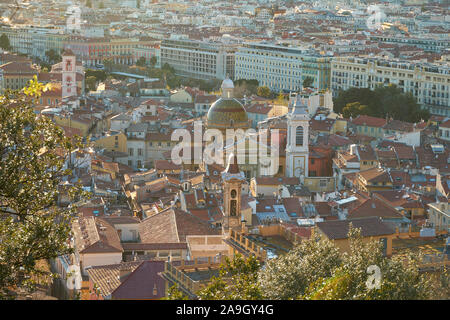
(428, 83)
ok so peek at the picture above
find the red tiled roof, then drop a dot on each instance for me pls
(364, 120)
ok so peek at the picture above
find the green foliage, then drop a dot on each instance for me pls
(264, 92)
(315, 269)
(174, 293)
(237, 280)
(91, 82)
(141, 62)
(354, 109)
(4, 42)
(382, 102)
(99, 75)
(32, 227)
(308, 82)
(400, 279)
(289, 275)
(153, 61)
(53, 56)
(245, 87)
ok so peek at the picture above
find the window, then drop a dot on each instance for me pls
(139, 152)
(130, 151)
(299, 136)
(323, 183)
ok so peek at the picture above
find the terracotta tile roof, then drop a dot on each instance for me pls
(259, 109)
(143, 283)
(398, 125)
(154, 246)
(292, 205)
(323, 208)
(322, 125)
(166, 165)
(375, 175)
(172, 225)
(445, 124)
(95, 235)
(374, 208)
(201, 214)
(364, 120)
(113, 220)
(277, 181)
(107, 278)
(366, 153)
(370, 227)
(205, 99)
(18, 67)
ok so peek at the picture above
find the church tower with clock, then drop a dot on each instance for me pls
(297, 149)
(69, 74)
(233, 179)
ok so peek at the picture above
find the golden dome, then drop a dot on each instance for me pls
(227, 112)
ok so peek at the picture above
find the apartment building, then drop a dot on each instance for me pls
(94, 51)
(15, 75)
(425, 43)
(199, 59)
(281, 68)
(34, 41)
(428, 83)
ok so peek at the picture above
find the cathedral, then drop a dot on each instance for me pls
(228, 113)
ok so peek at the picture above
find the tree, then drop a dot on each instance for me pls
(289, 275)
(316, 269)
(153, 61)
(384, 101)
(32, 227)
(101, 5)
(399, 279)
(264, 92)
(91, 82)
(53, 56)
(245, 87)
(108, 63)
(89, 3)
(4, 42)
(174, 293)
(354, 109)
(308, 82)
(141, 62)
(237, 280)
(99, 75)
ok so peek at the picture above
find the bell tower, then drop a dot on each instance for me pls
(233, 179)
(69, 74)
(297, 146)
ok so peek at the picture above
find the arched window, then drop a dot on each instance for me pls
(299, 136)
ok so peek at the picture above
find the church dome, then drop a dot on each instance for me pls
(227, 112)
